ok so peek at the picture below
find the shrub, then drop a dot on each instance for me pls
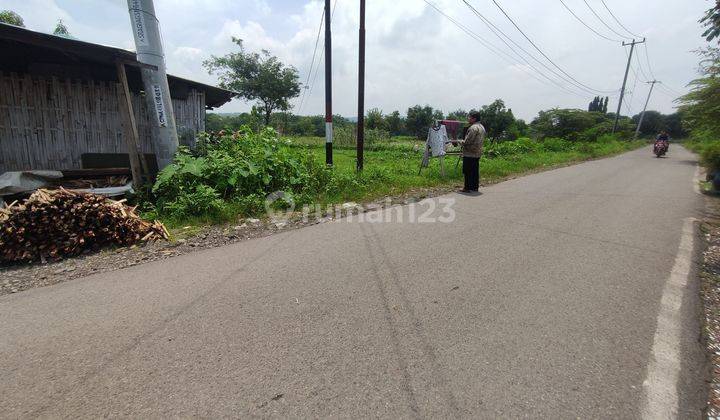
(508, 148)
(554, 144)
(241, 167)
(710, 155)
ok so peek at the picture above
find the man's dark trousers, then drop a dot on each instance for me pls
(471, 171)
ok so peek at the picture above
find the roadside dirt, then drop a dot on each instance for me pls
(710, 295)
(17, 278)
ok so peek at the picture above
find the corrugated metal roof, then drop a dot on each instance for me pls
(107, 55)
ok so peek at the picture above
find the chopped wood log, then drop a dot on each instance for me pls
(54, 224)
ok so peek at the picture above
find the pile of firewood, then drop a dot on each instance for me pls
(52, 224)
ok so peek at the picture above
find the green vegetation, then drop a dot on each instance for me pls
(11, 18)
(257, 77)
(700, 108)
(230, 174)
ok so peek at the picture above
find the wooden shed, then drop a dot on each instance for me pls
(60, 102)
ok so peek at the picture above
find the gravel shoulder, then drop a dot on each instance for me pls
(710, 295)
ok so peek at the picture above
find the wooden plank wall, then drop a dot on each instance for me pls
(48, 123)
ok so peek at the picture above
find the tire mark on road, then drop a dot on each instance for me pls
(162, 324)
(438, 378)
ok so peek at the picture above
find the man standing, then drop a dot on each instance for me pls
(471, 151)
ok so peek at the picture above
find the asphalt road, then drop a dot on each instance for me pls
(540, 299)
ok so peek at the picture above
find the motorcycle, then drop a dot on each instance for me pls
(661, 147)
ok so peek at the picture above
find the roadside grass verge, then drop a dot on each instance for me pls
(391, 169)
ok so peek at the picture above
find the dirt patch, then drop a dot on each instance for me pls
(710, 295)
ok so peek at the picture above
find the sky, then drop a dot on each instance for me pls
(415, 54)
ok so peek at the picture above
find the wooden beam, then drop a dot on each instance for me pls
(132, 139)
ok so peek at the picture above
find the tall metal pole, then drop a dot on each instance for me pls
(148, 44)
(642, 115)
(361, 91)
(328, 87)
(622, 90)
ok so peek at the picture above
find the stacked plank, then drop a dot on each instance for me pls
(52, 224)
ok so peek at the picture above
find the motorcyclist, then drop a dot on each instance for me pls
(665, 137)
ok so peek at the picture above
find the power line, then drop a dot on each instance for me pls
(647, 59)
(642, 71)
(502, 54)
(498, 32)
(603, 22)
(586, 25)
(312, 62)
(322, 54)
(543, 53)
(494, 29)
(618, 21)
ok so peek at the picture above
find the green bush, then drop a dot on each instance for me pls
(508, 148)
(240, 168)
(554, 144)
(710, 155)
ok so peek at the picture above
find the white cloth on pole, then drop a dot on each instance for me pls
(436, 140)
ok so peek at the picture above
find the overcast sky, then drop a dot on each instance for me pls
(415, 55)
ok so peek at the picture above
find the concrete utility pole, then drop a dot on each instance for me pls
(157, 93)
(328, 87)
(361, 91)
(642, 115)
(627, 69)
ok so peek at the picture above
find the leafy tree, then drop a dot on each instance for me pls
(418, 120)
(11, 18)
(394, 123)
(438, 115)
(711, 21)
(61, 30)
(458, 115)
(595, 105)
(570, 124)
(701, 106)
(496, 119)
(598, 104)
(653, 122)
(375, 120)
(257, 77)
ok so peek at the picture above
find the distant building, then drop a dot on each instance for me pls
(59, 102)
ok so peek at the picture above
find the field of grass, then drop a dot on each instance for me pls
(396, 163)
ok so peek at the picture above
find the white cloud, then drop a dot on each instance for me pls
(414, 55)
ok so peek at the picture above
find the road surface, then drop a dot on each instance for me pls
(568, 293)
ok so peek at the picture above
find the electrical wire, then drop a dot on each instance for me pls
(312, 62)
(497, 31)
(502, 54)
(322, 55)
(586, 25)
(618, 21)
(647, 60)
(603, 22)
(543, 53)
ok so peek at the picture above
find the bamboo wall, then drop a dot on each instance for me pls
(48, 123)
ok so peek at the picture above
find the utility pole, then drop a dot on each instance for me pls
(642, 115)
(361, 91)
(627, 69)
(328, 88)
(146, 32)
